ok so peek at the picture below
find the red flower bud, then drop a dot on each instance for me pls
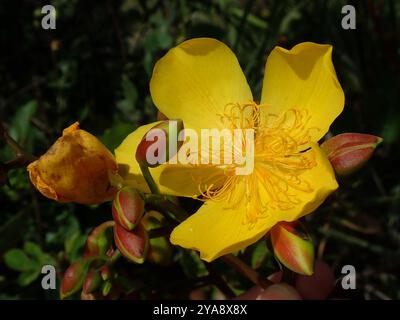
(73, 277)
(92, 282)
(348, 152)
(293, 246)
(99, 241)
(132, 244)
(160, 143)
(127, 208)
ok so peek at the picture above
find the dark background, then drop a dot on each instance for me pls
(95, 69)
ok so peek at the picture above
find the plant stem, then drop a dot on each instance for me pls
(246, 271)
(162, 203)
(219, 281)
(22, 158)
(149, 179)
(348, 238)
(115, 256)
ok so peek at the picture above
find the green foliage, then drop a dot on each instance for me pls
(28, 262)
(17, 259)
(191, 264)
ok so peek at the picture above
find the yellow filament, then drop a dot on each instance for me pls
(281, 155)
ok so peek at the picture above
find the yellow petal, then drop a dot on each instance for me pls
(303, 78)
(218, 228)
(196, 80)
(171, 179)
(321, 182)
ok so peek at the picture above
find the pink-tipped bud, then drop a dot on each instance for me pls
(74, 277)
(348, 152)
(293, 246)
(132, 244)
(92, 282)
(127, 208)
(160, 143)
(99, 241)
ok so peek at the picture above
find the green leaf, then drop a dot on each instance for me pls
(68, 225)
(28, 277)
(12, 231)
(259, 255)
(21, 119)
(113, 136)
(391, 130)
(17, 259)
(33, 249)
(73, 245)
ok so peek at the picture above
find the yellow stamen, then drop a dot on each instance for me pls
(281, 155)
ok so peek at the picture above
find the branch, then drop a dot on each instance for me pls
(246, 271)
(22, 158)
(219, 281)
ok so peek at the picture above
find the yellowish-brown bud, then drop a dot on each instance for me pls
(75, 169)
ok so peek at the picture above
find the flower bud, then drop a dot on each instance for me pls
(88, 296)
(160, 249)
(348, 152)
(92, 282)
(106, 288)
(132, 244)
(100, 240)
(317, 286)
(293, 246)
(281, 291)
(75, 169)
(105, 272)
(127, 208)
(74, 277)
(160, 143)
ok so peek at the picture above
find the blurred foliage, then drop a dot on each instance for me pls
(95, 68)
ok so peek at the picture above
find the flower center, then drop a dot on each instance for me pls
(281, 156)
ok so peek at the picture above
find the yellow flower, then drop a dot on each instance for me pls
(200, 81)
(76, 168)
